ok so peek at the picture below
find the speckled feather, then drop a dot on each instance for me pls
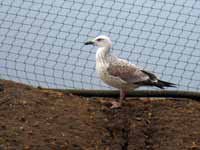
(124, 70)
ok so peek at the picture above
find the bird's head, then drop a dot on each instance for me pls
(100, 41)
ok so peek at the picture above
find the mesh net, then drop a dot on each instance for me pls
(41, 41)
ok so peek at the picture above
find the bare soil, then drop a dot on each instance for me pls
(36, 119)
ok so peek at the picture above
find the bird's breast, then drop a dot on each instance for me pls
(102, 71)
(102, 64)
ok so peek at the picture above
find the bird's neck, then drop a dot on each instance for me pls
(102, 56)
(102, 52)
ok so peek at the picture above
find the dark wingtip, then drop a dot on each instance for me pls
(171, 84)
(162, 84)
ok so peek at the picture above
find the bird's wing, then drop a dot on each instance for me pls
(128, 72)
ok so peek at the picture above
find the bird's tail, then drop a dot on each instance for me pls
(162, 84)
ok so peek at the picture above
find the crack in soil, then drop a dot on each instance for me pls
(125, 133)
(120, 130)
(148, 136)
(148, 133)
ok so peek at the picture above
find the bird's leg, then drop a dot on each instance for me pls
(116, 104)
(122, 95)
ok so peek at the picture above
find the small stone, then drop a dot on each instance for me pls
(3, 126)
(36, 124)
(30, 132)
(26, 147)
(21, 128)
(138, 118)
(23, 119)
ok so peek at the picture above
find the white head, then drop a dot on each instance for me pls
(100, 41)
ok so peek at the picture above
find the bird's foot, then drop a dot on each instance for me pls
(115, 105)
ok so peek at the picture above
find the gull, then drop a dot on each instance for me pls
(120, 73)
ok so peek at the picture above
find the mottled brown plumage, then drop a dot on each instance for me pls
(119, 73)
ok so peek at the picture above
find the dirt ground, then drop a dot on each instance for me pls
(36, 119)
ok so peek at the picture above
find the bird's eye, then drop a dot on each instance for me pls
(99, 40)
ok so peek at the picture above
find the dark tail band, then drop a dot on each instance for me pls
(162, 84)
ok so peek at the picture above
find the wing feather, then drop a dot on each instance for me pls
(126, 71)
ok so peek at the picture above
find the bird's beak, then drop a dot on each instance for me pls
(89, 43)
